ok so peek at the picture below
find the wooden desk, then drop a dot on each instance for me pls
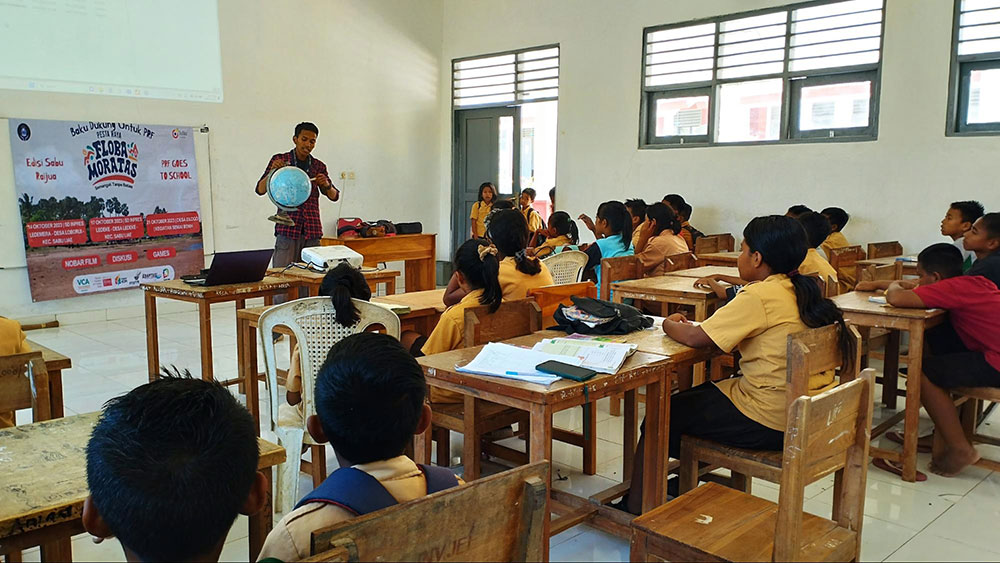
(418, 251)
(43, 483)
(425, 309)
(909, 267)
(863, 313)
(54, 363)
(656, 372)
(312, 280)
(718, 258)
(205, 296)
(703, 271)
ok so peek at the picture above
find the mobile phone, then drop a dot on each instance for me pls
(576, 373)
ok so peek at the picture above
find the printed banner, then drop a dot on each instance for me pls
(104, 205)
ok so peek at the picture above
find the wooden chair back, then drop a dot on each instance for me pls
(845, 261)
(512, 319)
(683, 261)
(550, 297)
(874, 272)
(618, 269)
(884, 249)
(827, 433)
(815, 351)
(24, 384)
(714, 243)
(497, 518)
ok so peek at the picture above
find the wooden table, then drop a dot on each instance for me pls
(204, 297)
(54, 364)
(656, 372)
(909, 266)
(43, 483)
(312, 280)
(670, 289)
(418, 251)
(718, 258)
(863, 313)
(704, 271)
(425, 310)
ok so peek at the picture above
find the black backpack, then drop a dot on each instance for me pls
(623, 319)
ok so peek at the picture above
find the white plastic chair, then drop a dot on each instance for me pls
(567, 266)
(313, 321)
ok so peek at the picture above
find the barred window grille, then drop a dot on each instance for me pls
(528, 75)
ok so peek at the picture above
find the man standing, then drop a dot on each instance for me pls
(289, 240)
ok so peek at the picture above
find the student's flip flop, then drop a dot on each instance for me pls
(898, 438)
(895, 467)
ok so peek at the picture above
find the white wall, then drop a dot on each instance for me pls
(365, 72)
(897, 187)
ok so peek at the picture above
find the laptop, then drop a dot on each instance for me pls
(233, 267)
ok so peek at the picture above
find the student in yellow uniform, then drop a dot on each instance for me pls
(659, 237)
(637, 211)
(482, 208)
(518, 271)
(12, 341)
(817, 228)
(476, 269)
(749, 411)
(531, 216)
(561, 233)
(838, 220)
(676, 204)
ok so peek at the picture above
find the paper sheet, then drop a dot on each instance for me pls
(512, 362)
(602, 357)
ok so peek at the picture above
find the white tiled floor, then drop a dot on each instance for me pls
(937, 520)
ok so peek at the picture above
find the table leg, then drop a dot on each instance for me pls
(630, 431)
(420, 274)
(56, 394)
(700, 314)
(422, 448)
(890, 371)
(57, 550)
(590, 438)
(205, 324)
(152, 338)
(540, 449)
(654, 473)
(390, 286)
(245, 340)
(911, 418)
(470, 439)
(262, 522)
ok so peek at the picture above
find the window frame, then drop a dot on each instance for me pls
(958, 85)
(649, 124)
(795, 106)
(648, 94)
(516, 93)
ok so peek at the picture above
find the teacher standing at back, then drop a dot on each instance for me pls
(289, 240)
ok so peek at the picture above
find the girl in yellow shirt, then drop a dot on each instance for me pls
(476, 270)
(562, 232)
(482, 208)
(518, 271)
(749, 411)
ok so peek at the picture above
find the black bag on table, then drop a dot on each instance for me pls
(414, 228)
(623, 319)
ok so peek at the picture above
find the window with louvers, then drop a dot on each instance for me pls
(807, 71)
(974, 97)
(527, 75)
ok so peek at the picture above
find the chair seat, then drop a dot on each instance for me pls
(763, 457)
(492, 416)
(714, 522)
(982, 393)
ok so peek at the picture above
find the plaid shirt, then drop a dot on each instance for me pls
(306, 217)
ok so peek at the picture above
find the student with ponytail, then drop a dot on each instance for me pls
(613, 229)
(519, 272)
(477, 267)
(561, 234)
(341, 285)
(659, 237)
(749, 411)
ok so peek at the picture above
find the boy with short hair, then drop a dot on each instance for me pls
(530, 215)
(838, 220)
(967, 356)
(958, 221)
(12, 341)
(169, 466)
(797, 211)
(984, 239)
(369, 403)
(637, 211)
(690, 234)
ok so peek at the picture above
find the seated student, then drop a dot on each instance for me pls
(453, 293)
(613, 236)
(970, 360)
(477, 270)
(518, 271)
(796, 211)
(817, 228)
(169, 466)
(684, 213)
(676, 202)
(531, 216)
(984, 239)
(749, 411)
(958, 221)
(659, 237)
(637, 211)
(561, 234)
(482, 208)
(369, 403)
(552, 198)
(12, 341)
(341, 284)
(838, 220)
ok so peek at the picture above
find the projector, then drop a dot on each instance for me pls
(327, 257)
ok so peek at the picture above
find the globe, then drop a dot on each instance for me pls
(289, 187)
